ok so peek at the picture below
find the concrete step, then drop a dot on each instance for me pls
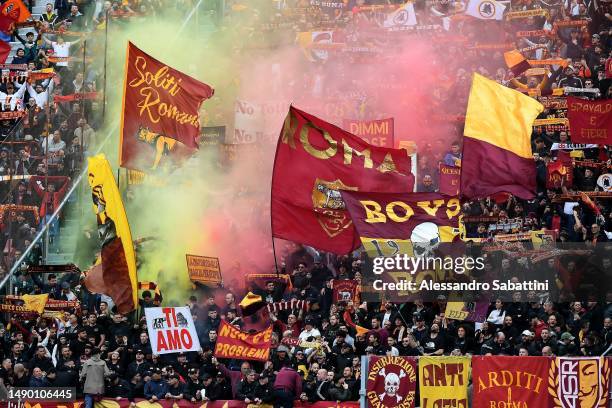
(61, 258)
(39, 9)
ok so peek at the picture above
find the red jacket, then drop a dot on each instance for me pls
(289, 379)
(56, 197)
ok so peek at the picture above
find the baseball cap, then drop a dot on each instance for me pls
(567, 336)
(527, 333)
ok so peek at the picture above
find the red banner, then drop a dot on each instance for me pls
(375, 132)
(160, 112)
(558, 174)
(345, 290)
(314, 161)
(391, 382)
(233, 343)
(511, 381)
(75, 97)
(590, 121)
(182, 403)
(450, 178)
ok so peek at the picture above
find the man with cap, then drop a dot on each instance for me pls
(139, 365)
(155, 389)
(94, 371)
(264, 394)
(309, 329)
(175, 389)
(319, 272)
(567, 347)
(181, 366)
(527, 343)
(220, 389)
(287, 386)
(117, 388)
(281, 358)
(194, 385)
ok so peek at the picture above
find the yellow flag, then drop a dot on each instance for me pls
(117, 275)
(35, 303)
(443, 381)
(501, 116)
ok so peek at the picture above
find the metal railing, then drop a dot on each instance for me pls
(45, 227)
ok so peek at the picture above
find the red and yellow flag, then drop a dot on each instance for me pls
(115, 273)
(314, 161)
(497, 141)
(159, 119)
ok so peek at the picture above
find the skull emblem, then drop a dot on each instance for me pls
(425, 239)
(392, 383)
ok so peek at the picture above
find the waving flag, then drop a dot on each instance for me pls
(497, 141)
(402, 17)
(115, 273)
(314, 161)
(15, 10)
(159, 120)
(485, 9)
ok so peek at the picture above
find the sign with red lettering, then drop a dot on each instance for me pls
(590, 121)
(391, 382)
(375, 132)
(171, 330)
(234, 343)
(204, 269)
(510, 381)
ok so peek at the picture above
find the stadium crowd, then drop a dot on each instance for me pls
(102, 352)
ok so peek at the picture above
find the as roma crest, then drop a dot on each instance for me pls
(391, 382)
(580, 382)
(330, 208)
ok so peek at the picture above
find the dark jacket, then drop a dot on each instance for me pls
(246, 390)
(264, 392)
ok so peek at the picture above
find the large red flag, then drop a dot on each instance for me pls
(314, 160)
(160, 112)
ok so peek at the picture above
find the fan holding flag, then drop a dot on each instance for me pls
(11, 12)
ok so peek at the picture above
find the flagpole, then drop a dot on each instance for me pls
(274, 253)
(105, 66)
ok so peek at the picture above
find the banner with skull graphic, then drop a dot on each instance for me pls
(408, 223)
(391, 382)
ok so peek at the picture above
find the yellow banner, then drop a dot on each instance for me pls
(35, 303)
(443, 381)
(526, 14)
(551, 121)
(112, 219)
